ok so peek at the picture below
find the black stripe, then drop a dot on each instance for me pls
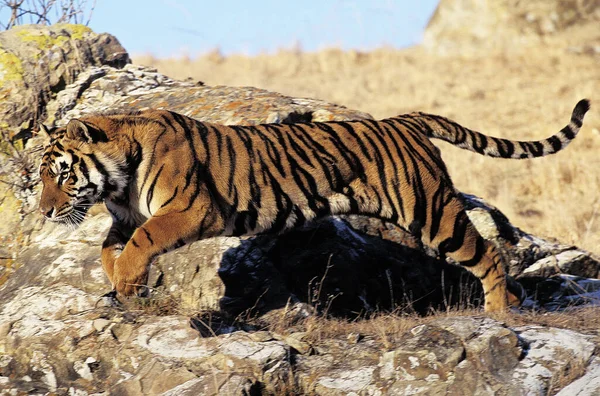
(455, 242)
(488, 271)
(437, 210)
(150, 193)
(282, 200)
(568, 132)
(273, 152)
(417, 141)
(484, 142)
(380, 161)
(168, 201)
(148, 235)
(405, 169)
(381, 132)
(232, 161)
(495, 286)
(555, 142)
(342, 149)
(326, 160)
(506, 148)
(352, 132)
(479, 252)
(219, 138)
(152, 161)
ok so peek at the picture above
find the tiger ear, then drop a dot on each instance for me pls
(79, 130)
(44, 133)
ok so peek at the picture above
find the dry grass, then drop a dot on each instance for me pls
(384, 327)
(526, 95)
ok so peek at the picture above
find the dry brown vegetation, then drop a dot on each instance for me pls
(521, 95)
(384, 327)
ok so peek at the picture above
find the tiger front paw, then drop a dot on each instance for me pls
(129, 280)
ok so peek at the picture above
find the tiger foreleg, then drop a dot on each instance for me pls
(113, 245)
(161, 233)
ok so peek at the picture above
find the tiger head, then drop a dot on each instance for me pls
(71, 172)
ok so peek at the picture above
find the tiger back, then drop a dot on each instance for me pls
(168, 180)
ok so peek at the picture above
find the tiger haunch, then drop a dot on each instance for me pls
(168, 180)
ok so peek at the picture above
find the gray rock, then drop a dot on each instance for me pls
(588, 384)
(550, 354)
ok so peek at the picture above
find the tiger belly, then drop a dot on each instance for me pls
(272, 219)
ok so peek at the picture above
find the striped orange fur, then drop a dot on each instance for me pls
(168, 180)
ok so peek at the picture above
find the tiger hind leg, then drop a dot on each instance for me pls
(457, 238)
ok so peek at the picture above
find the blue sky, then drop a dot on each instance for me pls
(176, 27)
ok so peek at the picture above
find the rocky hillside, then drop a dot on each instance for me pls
(291, 315)
(471, 26)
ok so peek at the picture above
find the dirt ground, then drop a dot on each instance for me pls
(524, 94)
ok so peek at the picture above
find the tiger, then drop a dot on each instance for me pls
(168, 180)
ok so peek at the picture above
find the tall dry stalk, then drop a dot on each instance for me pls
(47, 12)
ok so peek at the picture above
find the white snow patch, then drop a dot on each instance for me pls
(5, 360)
(79, 392)
(432, 378)
(343, 229)
(386, 362)
(414, 390)
(545, 342)
(124, 376)
(135, 362)
(40, 363)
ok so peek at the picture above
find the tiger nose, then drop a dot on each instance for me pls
(47, 211)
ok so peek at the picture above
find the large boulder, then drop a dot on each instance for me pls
(36, 62)
(201, 329)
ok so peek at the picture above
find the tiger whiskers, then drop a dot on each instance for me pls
(75, 217)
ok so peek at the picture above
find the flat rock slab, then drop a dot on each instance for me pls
(137, 88)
